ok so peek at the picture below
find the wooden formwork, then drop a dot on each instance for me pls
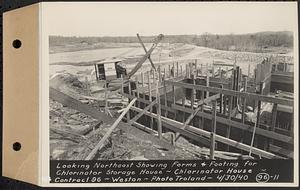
(184, 94)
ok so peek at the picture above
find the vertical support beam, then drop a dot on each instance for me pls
(249, 70)
(173, 95)
(159, 126)
(173, 70)
(106, 96)
(181, 70)
(201, 69)
(142, 78)
(213, 71)
(153, 76)
(159, 74)
(150, 96)
(96, 72)
(244, 101)
(186, 70)
(137, 92)
(165, 97)
(257, 118)
(177, 73)
(213, 130)
(164, 73)
(202, 118)
(207, 82)
(193, 93)
(221, 100)
(122, 84)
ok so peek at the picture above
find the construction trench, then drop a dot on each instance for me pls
(190, 111)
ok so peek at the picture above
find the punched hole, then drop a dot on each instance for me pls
(17, 146)
(17, 43)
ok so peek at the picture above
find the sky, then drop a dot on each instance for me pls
(127, 19)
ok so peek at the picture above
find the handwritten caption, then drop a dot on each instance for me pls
(161, 172)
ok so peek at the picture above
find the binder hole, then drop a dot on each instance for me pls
(17, 43)
(17, 146)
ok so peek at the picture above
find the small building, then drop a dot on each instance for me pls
(108, 69)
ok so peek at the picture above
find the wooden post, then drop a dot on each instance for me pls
(220, 73)
(165, 76)
(181, 70)
(173, 69)
(96, 72)
(122, 83)
(202, 118)
(150, 98)
(193, 93)
(137, 93)
(244, 101)
(213, 71)
(201, 69)
(257, 118)
(129, 92)
(159, 73)
(108, 133)
(186, 70)
(221, 99)
(248, 70)
(224, 104)
(173, 95)
(165, 97)
(153, 77)
(106, 96)
(177, 74)
(159, 126)
(213, 131)
(207, 83)
(142, 76)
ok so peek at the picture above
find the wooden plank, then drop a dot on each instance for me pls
(178, 129)
(247, 95)
(108, 133)
(149, 58)
(239, 125)
(159, 126)
(213, 131)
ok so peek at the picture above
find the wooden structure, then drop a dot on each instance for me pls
(212, 110)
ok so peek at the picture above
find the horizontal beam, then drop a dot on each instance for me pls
(177, 125)
(233, 93)
(239, 125)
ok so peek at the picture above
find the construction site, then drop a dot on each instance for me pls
(162, 101)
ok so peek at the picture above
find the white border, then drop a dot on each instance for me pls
(44, 114)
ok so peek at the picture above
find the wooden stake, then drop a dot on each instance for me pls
(213, 131)
(159, 126)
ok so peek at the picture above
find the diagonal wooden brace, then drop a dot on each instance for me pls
(142, 113)
(189, 119)
(146, 51)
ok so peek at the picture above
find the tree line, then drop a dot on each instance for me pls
(254, 42)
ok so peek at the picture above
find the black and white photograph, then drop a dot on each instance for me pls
(205, 82)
